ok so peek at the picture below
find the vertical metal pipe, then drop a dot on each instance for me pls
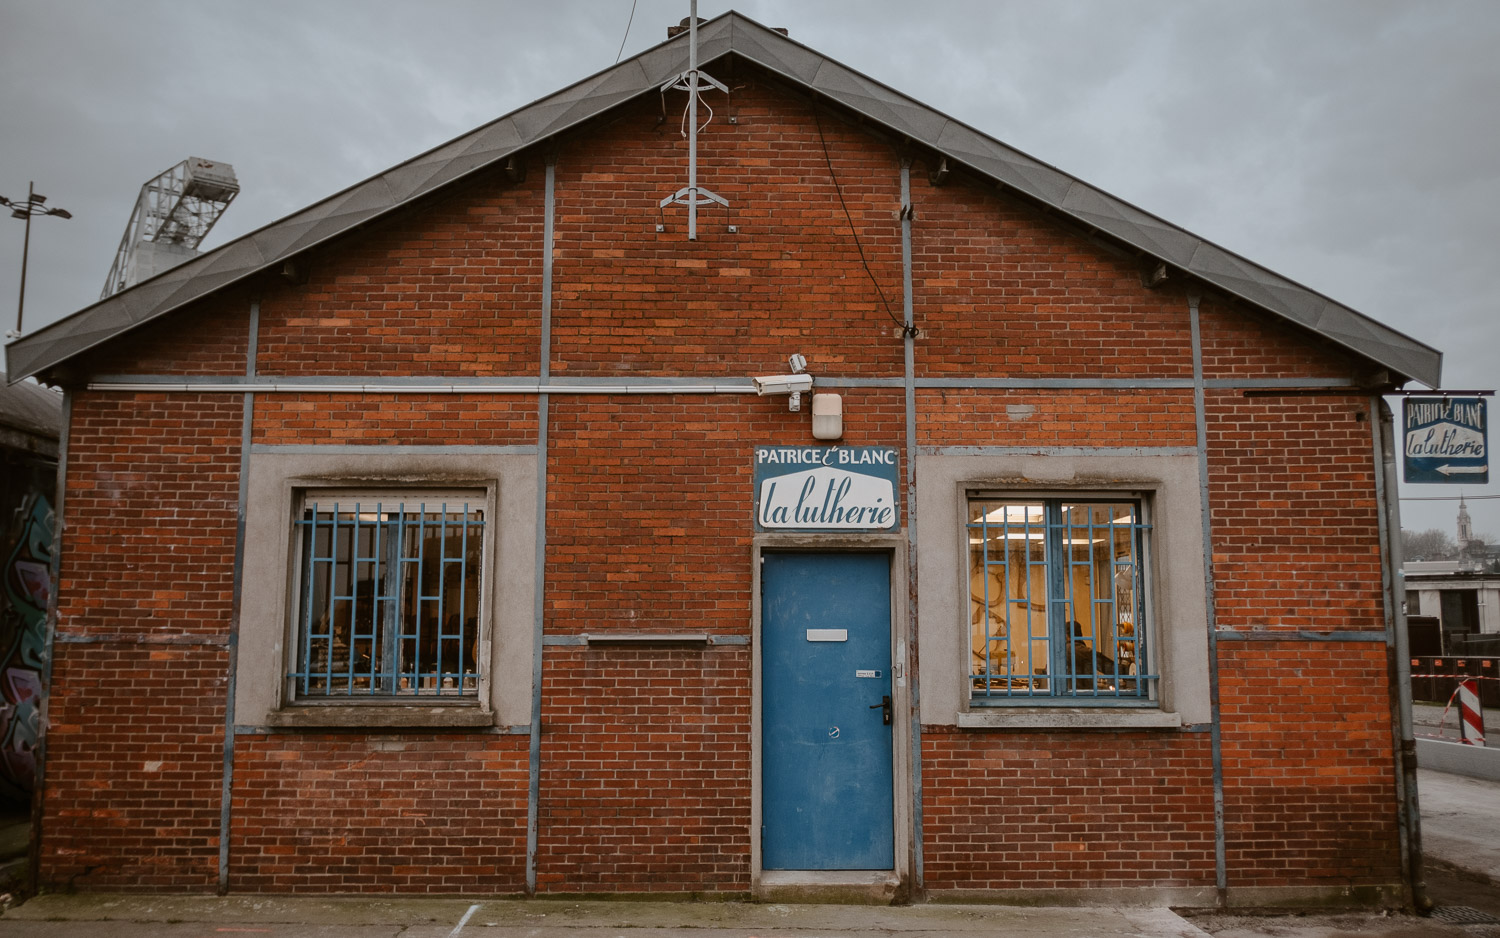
(1388, 510)
(1216, 742)
(693, 121)
(247, 423)
(44, 718)
(25, 252)
(909, 353)
(538, 600)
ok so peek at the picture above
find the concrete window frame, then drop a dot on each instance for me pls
(277, 480)
(1179, 610)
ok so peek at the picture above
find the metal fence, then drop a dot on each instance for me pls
(1434, 679)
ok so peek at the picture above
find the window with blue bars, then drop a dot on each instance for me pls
(389, 596)
(1059, 601)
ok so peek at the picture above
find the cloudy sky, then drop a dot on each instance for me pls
(1350, 145)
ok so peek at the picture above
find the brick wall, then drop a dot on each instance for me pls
(411, 419)
(1243, 344)
(136, 712)
(152, 488)
(134, 767)
(453, 290)
(630, 300)
(209, 337)
(418, 813)
(1066, 810)
(968, 417)
(1004, 292)
(1292, 494)
(1308, 772)
(645, 770)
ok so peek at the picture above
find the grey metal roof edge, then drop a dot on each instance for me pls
(733, 33)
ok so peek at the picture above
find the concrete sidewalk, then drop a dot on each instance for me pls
(182, 917)
(1461, 821)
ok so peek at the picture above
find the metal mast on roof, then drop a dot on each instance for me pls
(693, 195)
(172, 216)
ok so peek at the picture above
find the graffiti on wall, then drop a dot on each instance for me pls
(23, 623)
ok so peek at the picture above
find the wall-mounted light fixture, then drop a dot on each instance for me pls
(827, 416)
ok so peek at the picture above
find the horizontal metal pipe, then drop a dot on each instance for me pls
(646, 385)
(1057, 450)
(388, 449)
(141, 638)
(1298, 635)
(532, 387)
(243, 729)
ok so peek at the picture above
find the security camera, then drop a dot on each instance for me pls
(782, 384)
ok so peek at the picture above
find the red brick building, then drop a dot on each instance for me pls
(434, 539)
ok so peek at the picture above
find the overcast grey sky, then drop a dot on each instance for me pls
(1351, 145)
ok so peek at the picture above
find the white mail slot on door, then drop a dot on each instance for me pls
(828, 635)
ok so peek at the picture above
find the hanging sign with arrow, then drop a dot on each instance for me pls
(1447, 440)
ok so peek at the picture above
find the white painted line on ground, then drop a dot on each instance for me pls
(463, 921)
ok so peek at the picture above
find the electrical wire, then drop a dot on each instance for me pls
(627, 32)
(682, 124)
(906, 331)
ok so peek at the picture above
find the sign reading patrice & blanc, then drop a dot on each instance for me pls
(1446, 439)
(826, 488)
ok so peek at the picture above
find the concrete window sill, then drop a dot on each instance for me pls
(1007, 718)
(381, 717)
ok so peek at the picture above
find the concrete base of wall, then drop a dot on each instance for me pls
(1459, 759)
(1279, 898)
(844, 887)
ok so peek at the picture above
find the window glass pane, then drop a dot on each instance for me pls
(440, 605)
(1056, 599)
(1098, 544)
(390, 598)
(1008, 598)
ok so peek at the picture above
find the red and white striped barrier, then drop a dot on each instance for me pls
(1470, 715)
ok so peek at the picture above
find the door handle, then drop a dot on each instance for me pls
(885, 709)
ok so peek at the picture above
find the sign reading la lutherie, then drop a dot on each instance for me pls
(1446, 439)
(826, 488)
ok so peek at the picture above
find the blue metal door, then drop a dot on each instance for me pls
(826, 797)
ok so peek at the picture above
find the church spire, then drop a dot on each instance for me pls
(1465, 525)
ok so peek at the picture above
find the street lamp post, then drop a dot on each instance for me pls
(34, 205)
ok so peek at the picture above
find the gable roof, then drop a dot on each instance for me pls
(727, 34)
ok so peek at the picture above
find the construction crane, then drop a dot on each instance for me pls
(171, 217)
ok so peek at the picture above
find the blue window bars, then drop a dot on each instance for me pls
(389, 599)
(1058, 600)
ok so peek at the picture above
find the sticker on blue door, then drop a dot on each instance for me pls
(826, 715)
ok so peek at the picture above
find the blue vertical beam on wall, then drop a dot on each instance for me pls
(1200, 416)
(247, 421)
(538, 601)
(909, 363)
(34, 865)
